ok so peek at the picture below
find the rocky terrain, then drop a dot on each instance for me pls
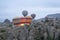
(38, 30)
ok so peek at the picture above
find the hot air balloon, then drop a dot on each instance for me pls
(33, 15)
(22, 21)
(25, 13)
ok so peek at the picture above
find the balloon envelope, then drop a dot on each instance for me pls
(33, 15)
(25, 13)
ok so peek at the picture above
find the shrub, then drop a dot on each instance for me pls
(3, 31)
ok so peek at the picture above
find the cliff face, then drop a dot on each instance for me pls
(6, 21)
(38, 30)
(57, 15)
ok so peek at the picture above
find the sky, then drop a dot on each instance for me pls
(13, 8)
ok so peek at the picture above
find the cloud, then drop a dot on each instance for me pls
(31, 3)
(12, 8)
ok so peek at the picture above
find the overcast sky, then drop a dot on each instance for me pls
(12, 8)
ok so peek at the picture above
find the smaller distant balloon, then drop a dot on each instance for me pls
(33, 15)
(25, 13)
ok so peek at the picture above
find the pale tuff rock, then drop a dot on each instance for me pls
(37, 30)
